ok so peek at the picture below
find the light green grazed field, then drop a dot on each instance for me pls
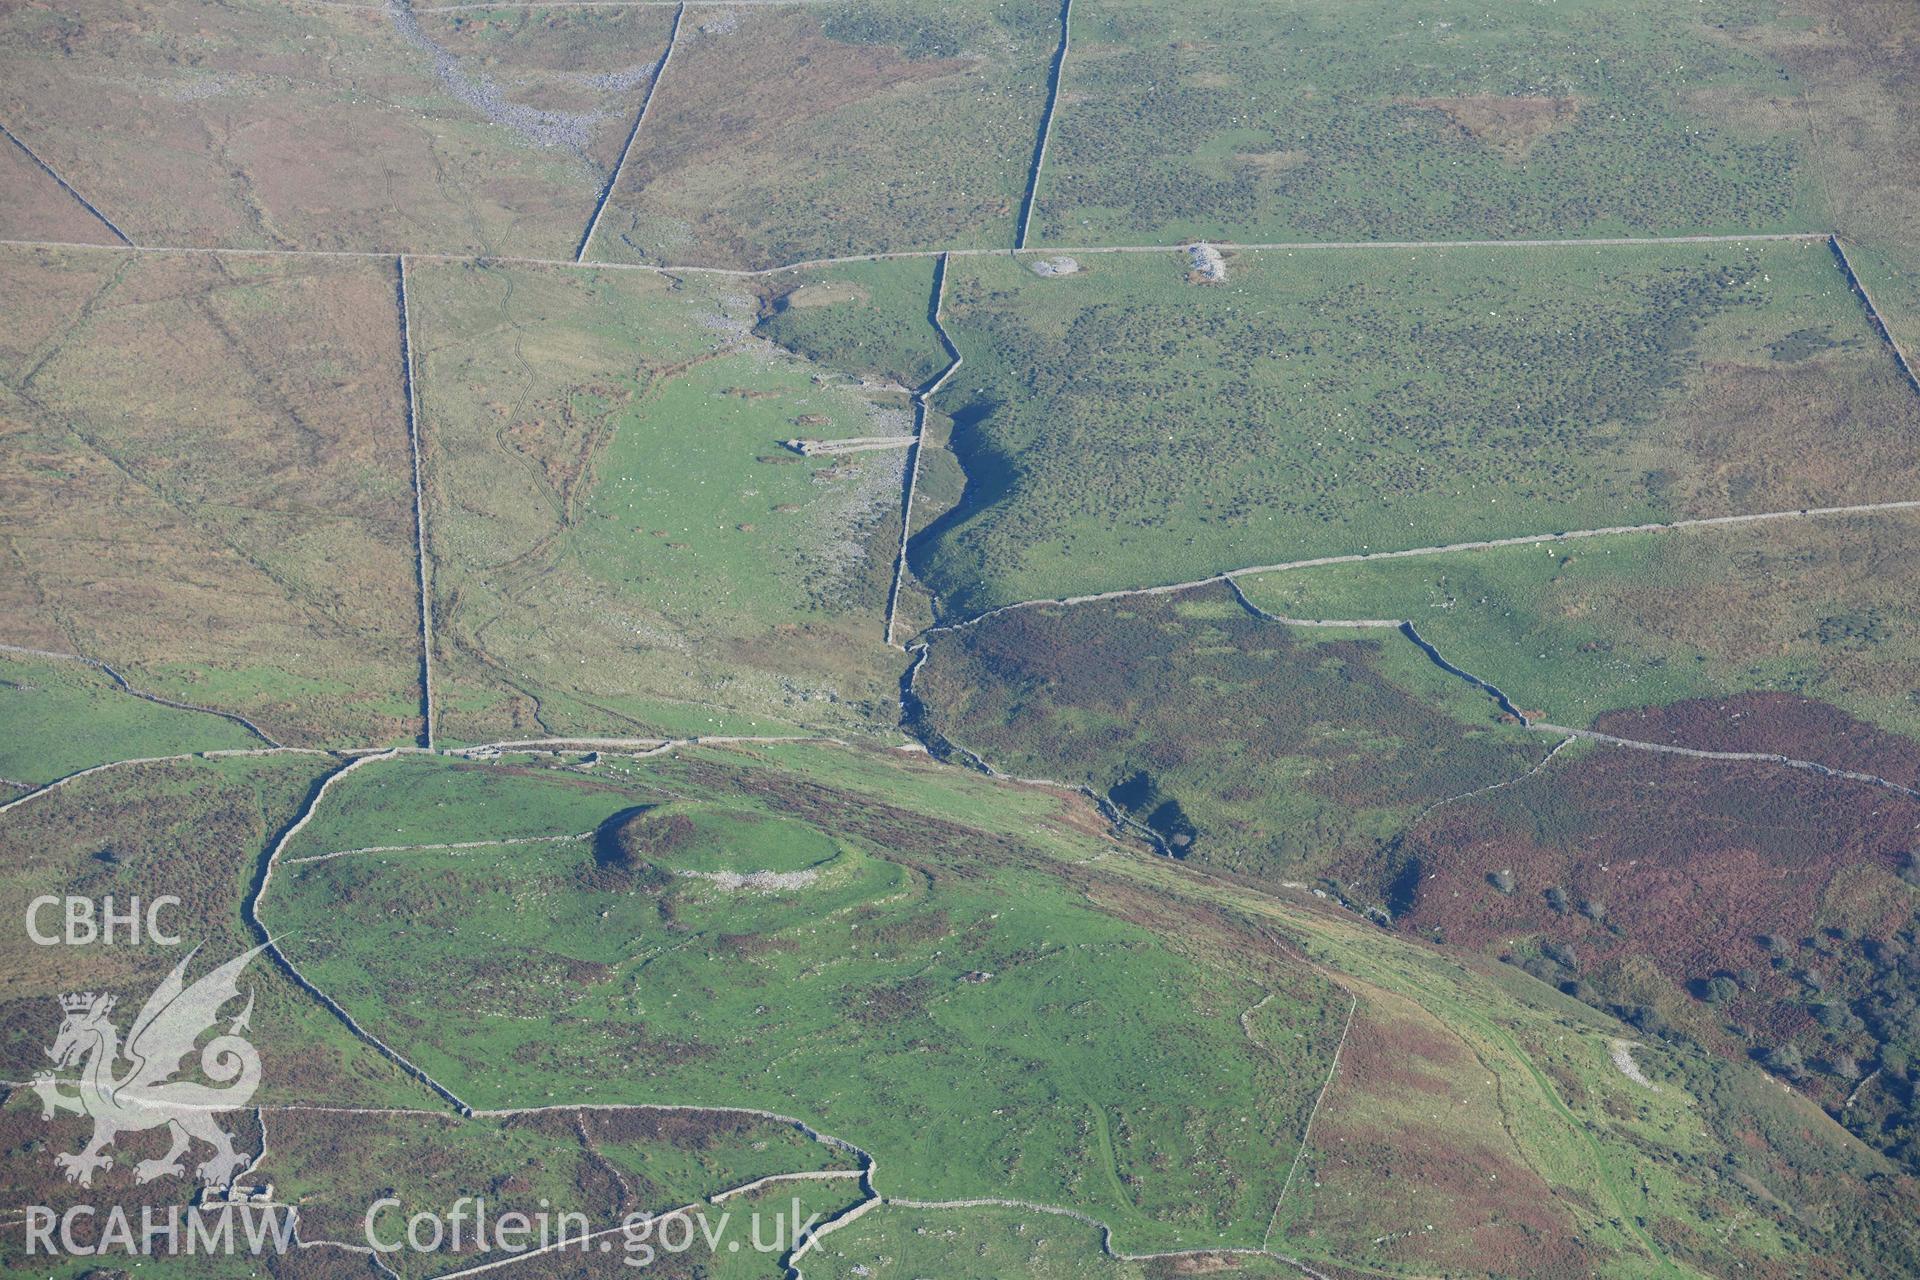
(63, 716)
(621, 542)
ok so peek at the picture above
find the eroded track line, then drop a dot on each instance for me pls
(67, 187)
(640, 118)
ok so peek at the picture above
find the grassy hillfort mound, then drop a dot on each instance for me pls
(852, 957)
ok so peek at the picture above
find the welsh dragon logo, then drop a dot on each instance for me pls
(143, 1094)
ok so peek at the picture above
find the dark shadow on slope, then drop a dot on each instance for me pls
(990, 476)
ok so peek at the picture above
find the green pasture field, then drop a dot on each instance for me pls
(363, 128)
(621, 543)
(421, 799)
(1123, 427)
(65, 716)
(784, 135)
(866, 319)
(1822, 608)
(624, 946)
(1421, 121)
(915, 952)
(1245, 744)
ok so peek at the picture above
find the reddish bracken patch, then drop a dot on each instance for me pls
(1510, 125)
(1735, 899)
(1409, 1152)
(1689, 860)
(1781, 723)
(1388, 1057)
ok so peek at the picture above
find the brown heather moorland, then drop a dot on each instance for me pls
(207, 483)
